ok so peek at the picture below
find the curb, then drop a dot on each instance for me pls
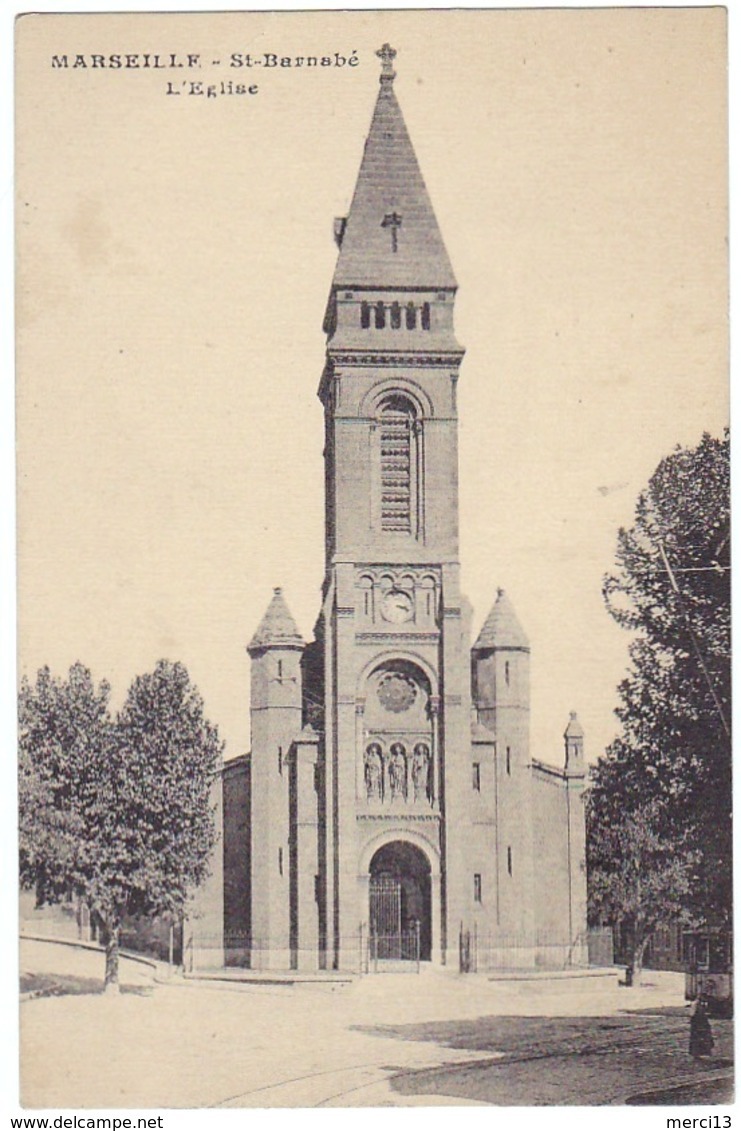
(158, 975)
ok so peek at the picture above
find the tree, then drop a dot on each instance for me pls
(668, 775)
(125, 819)
(640, 874)
(64, 731)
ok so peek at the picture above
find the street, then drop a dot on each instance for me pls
(406, 1040)
(577, 1061)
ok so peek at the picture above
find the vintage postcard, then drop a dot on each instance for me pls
(373, 541)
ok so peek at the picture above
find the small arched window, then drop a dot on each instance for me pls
(364, 315)
(380, 316)
(425, 315)
(395, 316)
(411, 314)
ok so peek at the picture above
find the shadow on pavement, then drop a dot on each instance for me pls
(62, 985)
(551, 1061)
(699, 1092)
(534, 1036)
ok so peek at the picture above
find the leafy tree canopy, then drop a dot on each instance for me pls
(116, 810)
(640, 876)
(670, 769)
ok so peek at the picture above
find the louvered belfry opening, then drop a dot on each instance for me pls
(396, 420)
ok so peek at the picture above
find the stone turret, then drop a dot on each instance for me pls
(275, 651)
(500, 671)
(574, 746)
(575, 774)
(500, 665)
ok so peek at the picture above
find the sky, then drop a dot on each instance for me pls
(175, 255)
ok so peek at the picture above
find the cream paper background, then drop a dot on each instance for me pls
(174, 258)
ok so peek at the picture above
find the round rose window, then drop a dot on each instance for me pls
(397, 692)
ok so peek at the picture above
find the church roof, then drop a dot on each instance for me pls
(277, 628)
(501, 629)
(391, 209)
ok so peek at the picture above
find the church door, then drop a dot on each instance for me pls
(385, 914)
(400, 908)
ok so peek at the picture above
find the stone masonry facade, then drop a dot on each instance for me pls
(390, 805)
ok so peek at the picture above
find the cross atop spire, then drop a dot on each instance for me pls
(387, 55)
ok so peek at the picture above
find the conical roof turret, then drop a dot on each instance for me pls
(574, 728)
(501, 629)
(277, 628)
(391, 237)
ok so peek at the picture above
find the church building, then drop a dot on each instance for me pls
(390, 806)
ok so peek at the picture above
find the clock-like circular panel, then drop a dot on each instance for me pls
(397, 606)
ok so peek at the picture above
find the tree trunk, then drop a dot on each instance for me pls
(111, 960)
(638, 952)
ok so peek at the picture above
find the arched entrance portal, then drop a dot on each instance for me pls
(400, 894)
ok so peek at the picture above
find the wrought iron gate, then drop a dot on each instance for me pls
(385, 909)
(390, 944)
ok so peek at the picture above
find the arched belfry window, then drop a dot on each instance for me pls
(399, 465)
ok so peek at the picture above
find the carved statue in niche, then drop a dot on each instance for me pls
(421, 771)
(373, 769)
(397, 771)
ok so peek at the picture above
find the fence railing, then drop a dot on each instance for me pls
(376, 952)
(362, 953)
(398, 951)
(481, 952)
(205, 952)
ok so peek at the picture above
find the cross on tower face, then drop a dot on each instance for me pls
(392, 221)
(387, 55)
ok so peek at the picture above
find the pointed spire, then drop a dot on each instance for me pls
(501, 629)
(391, 237)
(277, 628)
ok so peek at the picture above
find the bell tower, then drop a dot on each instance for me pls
(388, 388)
(396, 700)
